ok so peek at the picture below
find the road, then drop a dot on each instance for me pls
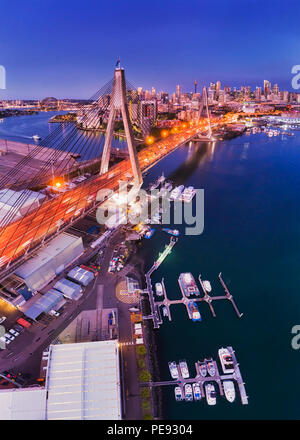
(18, 237)
(25, 352)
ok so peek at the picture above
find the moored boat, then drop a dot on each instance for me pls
(159, 289)
(178, 394)
(184, 369)
(194, 311)
(173, 369)
(188, 194)
(196, 391)
(206, 285)
(188, 392)
(211, 394)
(229, 390)
(173, 232)
(211, 367)
(188, 285)
(149, 233)
(176, 193)
(202, 368)
(226, 360)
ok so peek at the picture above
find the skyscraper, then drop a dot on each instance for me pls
(267, 88)
(258, 94)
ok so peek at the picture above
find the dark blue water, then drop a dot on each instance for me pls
(252, 235)
(54, 135)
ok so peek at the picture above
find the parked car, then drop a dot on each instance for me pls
(2, 319)
(9, 336)
(19, 328)
(14, 332)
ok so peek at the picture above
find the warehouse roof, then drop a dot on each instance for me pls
(81, 275)
(83, 381)
(23, 404)
(44, 303)
(54, 247)
(68, 288)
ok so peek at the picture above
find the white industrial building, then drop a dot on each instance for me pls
(50, 261)
(82, 383)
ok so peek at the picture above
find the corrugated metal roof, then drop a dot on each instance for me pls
(83, 381)
(54, 247)
(81, 275)
(26, 404)
(47, 263)
(68, 288)
(44, 303)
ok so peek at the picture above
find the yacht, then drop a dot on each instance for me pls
(159, 289)
(226, 360)
(202, 368)
(188, 392)
(178, 394)
(211, 394)
(229, 390)
(165, 311)
(173, 369)
(196, 391)
(211, 367)
(176, 193)
(36, 137)
(188, 285)
(184, 369)
(206, 285)
(188, 194)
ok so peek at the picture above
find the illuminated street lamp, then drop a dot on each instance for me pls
(149, 140)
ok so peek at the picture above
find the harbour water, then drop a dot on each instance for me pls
(252, 235)
(22, 128)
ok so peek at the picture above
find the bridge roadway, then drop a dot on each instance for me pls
(218, 378)
(53, 216)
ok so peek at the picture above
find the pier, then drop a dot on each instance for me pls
(155, 305)
(218, 378)
(155, 312)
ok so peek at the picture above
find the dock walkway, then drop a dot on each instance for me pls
(218, 378)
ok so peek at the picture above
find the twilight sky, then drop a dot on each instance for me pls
(69, 48)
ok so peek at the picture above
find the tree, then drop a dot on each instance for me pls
(144, 376)
(147, 416)
(145, 392)
(141, 350)
(141, 363)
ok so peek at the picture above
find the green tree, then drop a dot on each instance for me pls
(145, 392)
(141, 363)
(147, 416)
(144, 376)
(141, 350)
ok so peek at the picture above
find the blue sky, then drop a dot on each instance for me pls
(69, 48)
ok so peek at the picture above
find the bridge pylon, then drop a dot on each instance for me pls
(204, 103)
(119, 104)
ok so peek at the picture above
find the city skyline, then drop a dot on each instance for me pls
(47, 55)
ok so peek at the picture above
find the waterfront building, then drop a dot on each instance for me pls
(90, 390)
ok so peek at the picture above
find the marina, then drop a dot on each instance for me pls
(180, 380)
(190, 294)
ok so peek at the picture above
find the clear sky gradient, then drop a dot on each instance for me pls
(68, 48)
